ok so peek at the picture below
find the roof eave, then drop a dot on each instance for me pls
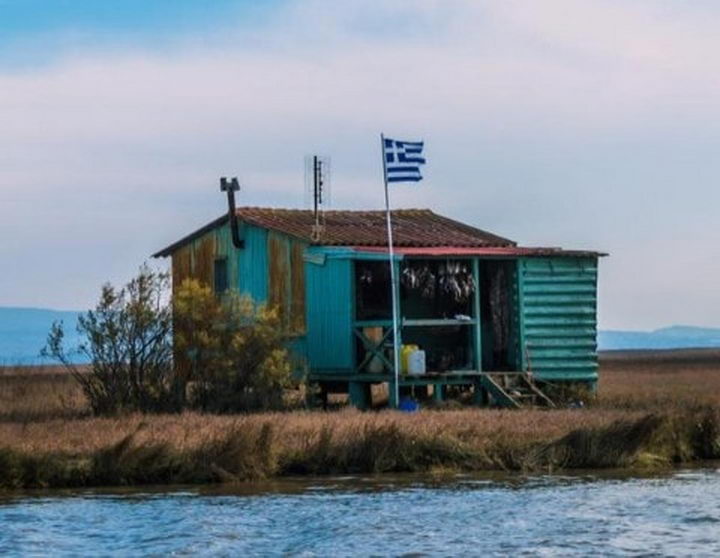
(168, 250)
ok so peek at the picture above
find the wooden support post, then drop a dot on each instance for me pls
(478, 395)
(520, 286)
(477, 328)
(421, 391)
(438, 392)
(359, 394)
(324, 396)
(393, 402)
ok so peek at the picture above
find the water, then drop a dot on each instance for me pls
(678, 514)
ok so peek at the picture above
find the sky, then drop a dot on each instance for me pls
(583, 124)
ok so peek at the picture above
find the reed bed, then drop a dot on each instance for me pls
(659, 380)
(643, 416)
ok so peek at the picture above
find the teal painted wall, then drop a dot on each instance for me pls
(224, 248)
(558, 317)
(253, 263)
(329, 301)
(247, 268)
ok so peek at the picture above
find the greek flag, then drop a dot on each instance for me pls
(403, 160)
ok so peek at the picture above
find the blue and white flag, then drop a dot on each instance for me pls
(403, 160)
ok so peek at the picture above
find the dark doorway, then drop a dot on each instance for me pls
(498, 311)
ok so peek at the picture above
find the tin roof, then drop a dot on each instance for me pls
(416, 232)
(411, 228)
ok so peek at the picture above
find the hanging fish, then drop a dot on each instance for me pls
(366, 276)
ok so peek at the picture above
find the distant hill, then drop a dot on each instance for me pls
(674, 337)
(23, 332)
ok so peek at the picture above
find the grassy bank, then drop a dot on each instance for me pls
(647, 414)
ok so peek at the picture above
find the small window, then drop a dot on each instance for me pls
(221, 275)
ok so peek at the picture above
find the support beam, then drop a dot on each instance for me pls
(477, 328)
(360, 395)
(393, 402)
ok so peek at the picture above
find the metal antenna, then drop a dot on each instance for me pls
(317, 185)
(231, 187)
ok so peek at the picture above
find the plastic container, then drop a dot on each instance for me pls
(409, 405)
(405, 353)
(374, 334)
(416, 363)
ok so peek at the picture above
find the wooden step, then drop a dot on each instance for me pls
(514, 390)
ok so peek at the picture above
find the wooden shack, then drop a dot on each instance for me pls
(494, 319)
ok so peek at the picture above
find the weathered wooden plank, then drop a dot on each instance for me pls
(500, 396)
(204, 259)
(297, 289)
(181, 266)
(279, 271)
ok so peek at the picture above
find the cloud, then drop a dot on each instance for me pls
(585, 124)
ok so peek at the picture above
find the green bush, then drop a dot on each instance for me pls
(234, 350)
(128, 340)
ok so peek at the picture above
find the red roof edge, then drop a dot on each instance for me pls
(490, 251)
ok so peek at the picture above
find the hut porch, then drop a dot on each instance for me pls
(462, 311)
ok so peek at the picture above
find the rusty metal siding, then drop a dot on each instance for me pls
(203, 259)
(297, 289)
(194, 260)
(329, 302)
(558, 317)
(278, 248)
(286, 280)
(181, 265)
(411, 227)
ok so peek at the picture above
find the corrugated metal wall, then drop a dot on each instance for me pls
(328, 301)
(558, 318)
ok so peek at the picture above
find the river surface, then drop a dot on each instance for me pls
(675, 514)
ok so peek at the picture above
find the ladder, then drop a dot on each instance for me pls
(514, 390)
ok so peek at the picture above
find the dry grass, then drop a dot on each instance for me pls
(37, 393)
(650, 410)
(659, 380)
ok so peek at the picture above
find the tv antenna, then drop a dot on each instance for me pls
(317, 191)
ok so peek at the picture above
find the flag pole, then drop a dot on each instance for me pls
(393, 285)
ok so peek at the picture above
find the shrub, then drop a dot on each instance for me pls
(235, 350)
(128, 342)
